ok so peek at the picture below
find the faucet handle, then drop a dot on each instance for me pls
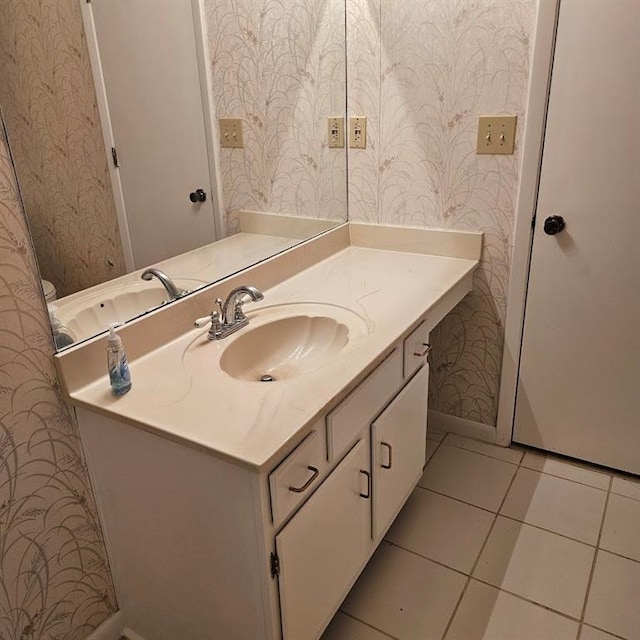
(214, 320)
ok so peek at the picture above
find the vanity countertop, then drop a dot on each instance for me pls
(254, 423)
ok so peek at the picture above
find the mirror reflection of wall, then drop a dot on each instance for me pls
(279, 69)
(49, 105)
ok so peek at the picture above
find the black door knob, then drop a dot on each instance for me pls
(553, 225)
(199, 195)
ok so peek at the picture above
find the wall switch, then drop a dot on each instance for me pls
(358, 132)
(231, 133)
(336, 133)
(496, 134)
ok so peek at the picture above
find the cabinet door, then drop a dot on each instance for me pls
(324, 547)
(398, 438)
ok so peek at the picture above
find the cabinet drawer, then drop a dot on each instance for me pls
(357, 410)
(297, 476)
(416, 349)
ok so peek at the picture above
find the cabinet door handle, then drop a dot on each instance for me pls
(386, 444)
(368, 494)
(307, 484)
(427, 348)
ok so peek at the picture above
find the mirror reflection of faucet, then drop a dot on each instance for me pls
(229, 317)
(172, 291)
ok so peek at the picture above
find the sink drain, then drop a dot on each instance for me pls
(267, 378)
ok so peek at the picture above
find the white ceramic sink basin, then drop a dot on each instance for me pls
(283, 342)
(92, 313)
(299, 341)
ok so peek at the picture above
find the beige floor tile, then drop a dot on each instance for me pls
(613, 599)
(589, 633)
(436, 434)
(621, 530)
(468, 476)
(566, 507)
(537, 565)
(404, 595)
(488, 614)
(442, 529)
(575, 472)
(343, 627)
(626, 488)
(492, 450)
(432, 447)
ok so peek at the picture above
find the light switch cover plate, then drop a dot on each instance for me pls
(336, 132)
(358, 132)
(496, 134)
(231, 133)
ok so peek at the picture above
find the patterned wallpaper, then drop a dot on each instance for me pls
(49, 104)
(279, 65)
(422, 72)
(54, 578)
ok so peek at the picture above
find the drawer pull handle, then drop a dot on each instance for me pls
(368, 494)
(427, 348)
(387, 466)
(307, 484)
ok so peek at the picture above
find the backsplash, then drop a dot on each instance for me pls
(53, 568)
(49, 105)
(422, 72)
(280, 67)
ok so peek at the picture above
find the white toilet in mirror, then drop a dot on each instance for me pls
(50, 293)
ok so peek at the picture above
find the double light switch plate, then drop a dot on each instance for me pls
(496, 134)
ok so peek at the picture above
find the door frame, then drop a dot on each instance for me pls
(533, 141)
(91, 38)
(208, 112)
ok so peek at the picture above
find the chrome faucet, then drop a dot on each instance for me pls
(229, 316)
(172, 291)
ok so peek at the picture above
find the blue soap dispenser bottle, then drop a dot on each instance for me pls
(119, 374)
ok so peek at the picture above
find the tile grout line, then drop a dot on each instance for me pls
(367, 624)
(595, 557)
(583, 484)
(547, 473)
(555, 533)
(521, 465)
(504, 515)
(613, 635)
(489, 584)
(419, 555)
(486, 455)
(618, 555)
(484, 544)
(444, 495)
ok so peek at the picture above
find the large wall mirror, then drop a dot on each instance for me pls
(115, 111)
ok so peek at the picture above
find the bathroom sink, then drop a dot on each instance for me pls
(86, 315)
(285, 341)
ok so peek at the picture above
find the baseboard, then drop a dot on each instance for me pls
(110, 629)
(461, 426)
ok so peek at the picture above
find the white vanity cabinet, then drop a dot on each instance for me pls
(204, 548)
(323, 548)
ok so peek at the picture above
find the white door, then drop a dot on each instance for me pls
(149, 62)
(579, 382)
(324, 547)
(399, 437)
